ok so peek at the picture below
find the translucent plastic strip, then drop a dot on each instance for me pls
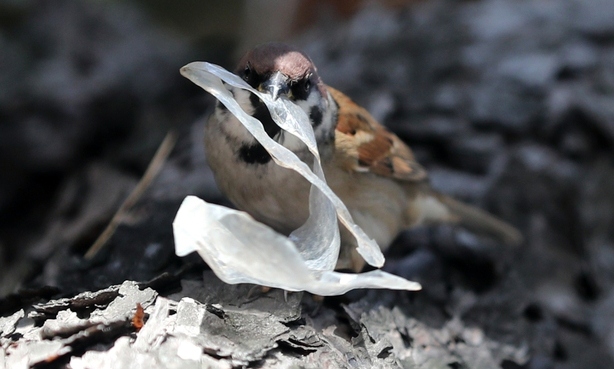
(290, 118)
(241, 250)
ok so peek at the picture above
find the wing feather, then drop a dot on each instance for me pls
(364, 145)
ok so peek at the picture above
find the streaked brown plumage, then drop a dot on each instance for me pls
(373, 172)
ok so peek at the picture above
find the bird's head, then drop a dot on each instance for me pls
(280, 70)
(283, 71)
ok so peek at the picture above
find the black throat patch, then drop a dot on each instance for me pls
(254, 153)
(261, 112)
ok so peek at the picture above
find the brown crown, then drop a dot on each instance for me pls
(272, 57)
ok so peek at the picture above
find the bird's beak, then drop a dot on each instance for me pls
(276, 85)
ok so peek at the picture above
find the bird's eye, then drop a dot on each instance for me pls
(247, 72)
(307, 84)
(251, 76)
(301, 87)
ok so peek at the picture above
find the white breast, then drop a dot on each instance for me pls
(273, 195)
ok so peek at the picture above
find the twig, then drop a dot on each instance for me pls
(152, 171)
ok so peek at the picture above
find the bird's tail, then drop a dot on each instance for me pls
(474, 219)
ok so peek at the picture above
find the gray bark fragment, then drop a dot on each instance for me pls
(8, 324)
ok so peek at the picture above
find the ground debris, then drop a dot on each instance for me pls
(63, 333)
(8, 324)
(81, 301)
(507, 104)
(25, 297)
(229, 330)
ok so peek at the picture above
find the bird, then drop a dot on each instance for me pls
(368, 167)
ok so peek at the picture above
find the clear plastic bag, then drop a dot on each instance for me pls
(240, 250)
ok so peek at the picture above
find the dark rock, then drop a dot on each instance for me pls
(541, 362)
(579, 121)
(533, 71)
(449, 97)
(537, 180)
(461, 185)
(599, 108)
(593, 18)
(495, 19)
(506, 105)
(577, 57)
(428, 130)
(474, 152)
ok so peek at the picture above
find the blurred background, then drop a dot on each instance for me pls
(508, 104)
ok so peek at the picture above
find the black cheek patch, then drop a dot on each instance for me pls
(299, 92)
(254, 154)
(315, 115)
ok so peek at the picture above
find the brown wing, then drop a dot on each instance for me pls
(364, 145)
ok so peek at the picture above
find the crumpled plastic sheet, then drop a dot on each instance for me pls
(241, 250)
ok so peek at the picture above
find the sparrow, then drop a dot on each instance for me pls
(370, 169)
